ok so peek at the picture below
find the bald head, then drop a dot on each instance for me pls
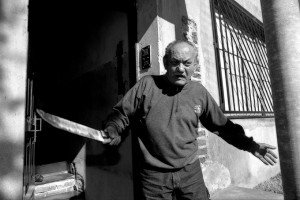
(170, 47)
(180, 61)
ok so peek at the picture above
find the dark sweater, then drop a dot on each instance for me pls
(168, 118)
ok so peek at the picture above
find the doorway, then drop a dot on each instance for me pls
(81, 63)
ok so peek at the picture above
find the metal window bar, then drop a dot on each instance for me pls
(242, 62)
(268, 92)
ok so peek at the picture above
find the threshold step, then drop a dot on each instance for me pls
(75, 195)
(55, 184)
(53, 168)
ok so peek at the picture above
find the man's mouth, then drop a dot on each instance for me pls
(179, 76)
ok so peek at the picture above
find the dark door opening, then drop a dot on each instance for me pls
(81, 57)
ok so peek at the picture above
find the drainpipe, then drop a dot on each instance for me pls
(282, 30)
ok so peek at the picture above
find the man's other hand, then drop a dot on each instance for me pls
(112, 133)
(265, 154)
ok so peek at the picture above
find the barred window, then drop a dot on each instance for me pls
(242, 64)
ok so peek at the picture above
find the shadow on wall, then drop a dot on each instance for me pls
(169, 10)
(12, 99)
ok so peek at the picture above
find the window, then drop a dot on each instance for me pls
(242, 64)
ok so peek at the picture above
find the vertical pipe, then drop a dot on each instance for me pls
(282, 31)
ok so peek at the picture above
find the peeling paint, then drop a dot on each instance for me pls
(189, 30)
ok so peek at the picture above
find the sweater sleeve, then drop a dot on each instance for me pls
(214, 120)
(126, 108)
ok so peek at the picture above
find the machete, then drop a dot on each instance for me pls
(74, 127)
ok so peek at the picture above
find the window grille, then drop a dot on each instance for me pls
(241, 56)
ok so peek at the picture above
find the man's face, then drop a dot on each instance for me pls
(181, 64)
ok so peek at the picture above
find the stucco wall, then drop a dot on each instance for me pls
(245, 169)
(13, 60)
(161, 22)
(147, 34)
(252, 6)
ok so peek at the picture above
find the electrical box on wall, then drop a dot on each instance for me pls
(146, 57)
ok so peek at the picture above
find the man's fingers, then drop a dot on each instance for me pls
(104, 134)
(115, 141)
(272, 153)
(266, 155)
(112, 135)
(269, 160)
(112, 143)
(106, 141)
(269, 146)
(263, 160)
(270, 156)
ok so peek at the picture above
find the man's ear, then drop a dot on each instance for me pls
(166, 63)
(196, 60)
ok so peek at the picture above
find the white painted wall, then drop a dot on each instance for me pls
(245, 169)
(159, 23)
(13, 63)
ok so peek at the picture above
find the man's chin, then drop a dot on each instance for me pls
(179, 82)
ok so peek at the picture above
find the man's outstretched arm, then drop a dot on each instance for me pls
(215, 121)
(234, 134)
(264, 153)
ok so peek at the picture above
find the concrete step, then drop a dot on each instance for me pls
(55, 184)
(74, 195)
(52, 168)
(240, 193)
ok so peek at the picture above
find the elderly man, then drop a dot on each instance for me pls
(167, 110)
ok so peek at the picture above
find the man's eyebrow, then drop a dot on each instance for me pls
(188, 60)
(174, 60)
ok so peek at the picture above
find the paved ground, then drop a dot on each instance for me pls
(239, 193)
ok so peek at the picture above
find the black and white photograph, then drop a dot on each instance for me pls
(150, 100)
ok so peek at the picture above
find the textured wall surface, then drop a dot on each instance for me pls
(282, 28)
(245, 170)
(13, 60)
(160, 22)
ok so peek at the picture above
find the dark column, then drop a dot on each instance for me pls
(282, 29)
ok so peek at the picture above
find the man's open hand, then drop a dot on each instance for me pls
(265, 154)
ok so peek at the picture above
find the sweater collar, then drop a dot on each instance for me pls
(174, 88)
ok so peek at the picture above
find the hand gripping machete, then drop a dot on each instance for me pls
(74, 127)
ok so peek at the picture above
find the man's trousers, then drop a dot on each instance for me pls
(182, 184)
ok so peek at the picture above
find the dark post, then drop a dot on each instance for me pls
(282, 30)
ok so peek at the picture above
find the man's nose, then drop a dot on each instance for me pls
(180, 67)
